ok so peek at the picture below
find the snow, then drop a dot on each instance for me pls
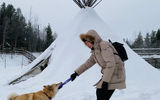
(11, 64)
(151, 56)
(36, 54)
(68, 53)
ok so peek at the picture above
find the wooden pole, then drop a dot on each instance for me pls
(84, 2)
(97, 3)
(77, 3)
(93, 2)
(87, 3)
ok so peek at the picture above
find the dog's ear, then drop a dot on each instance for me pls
(45, 86)
(50, 87)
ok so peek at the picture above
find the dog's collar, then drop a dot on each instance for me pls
(47, 95)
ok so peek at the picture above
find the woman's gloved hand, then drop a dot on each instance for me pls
(104, 86)
(73, 76)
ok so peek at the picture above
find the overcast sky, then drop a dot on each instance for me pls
(126, 17)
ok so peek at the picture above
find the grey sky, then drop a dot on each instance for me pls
(126, 17)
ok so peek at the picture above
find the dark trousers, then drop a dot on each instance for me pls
(104, 95)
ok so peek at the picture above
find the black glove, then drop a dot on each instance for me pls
(73, 76)
(104, 86)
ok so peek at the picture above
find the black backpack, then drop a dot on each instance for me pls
(120, 49)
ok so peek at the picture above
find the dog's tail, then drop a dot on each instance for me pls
(11, 96)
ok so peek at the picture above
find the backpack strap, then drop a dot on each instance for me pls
(112, 47)
(110, 41)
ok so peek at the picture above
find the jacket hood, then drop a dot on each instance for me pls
(91, 36)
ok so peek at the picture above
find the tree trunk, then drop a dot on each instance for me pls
(4, 33)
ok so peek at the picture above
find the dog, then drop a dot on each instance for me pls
(47, 93)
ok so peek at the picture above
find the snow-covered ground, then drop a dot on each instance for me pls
(68, 52)
(11, 65)
(151, 56)
(13, 60)
(36, 54)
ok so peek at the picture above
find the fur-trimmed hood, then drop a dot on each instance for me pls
(91, 36)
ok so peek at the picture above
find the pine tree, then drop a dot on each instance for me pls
(153, 39)
(127, 41)
(29, 32)
(15, 32)
(8, 13)
(147, 42)
(49, 37)
(158, 39)
(16, 29)
(138, 43)
(2, 13)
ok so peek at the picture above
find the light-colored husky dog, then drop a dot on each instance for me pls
(47, 93)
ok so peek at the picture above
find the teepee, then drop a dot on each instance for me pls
(68, 52)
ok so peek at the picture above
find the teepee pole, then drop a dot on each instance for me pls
(97, 3)
(77, 3)
(84, 2)
(87, 3)
(93, 2)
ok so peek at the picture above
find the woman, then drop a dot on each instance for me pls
(112, 68)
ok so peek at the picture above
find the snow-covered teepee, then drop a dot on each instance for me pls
(68, 52)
